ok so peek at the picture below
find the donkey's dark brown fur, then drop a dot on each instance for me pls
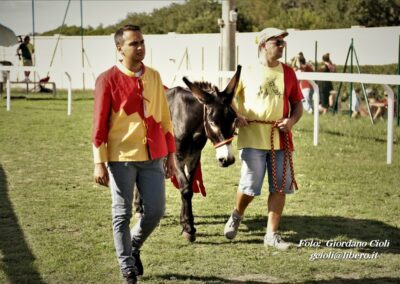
(199, 113)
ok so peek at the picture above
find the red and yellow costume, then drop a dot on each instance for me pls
(131, 117)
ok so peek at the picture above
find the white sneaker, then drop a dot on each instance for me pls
(232, 226)
(275, 240)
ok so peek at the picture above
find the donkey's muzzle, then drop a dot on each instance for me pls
(226, 162)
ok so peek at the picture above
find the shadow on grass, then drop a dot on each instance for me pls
(379, 140)
(206, 279)
(326, 228)
(322, 228)
(213, 279)
(381, 280)
(340, 134)
(17, 258)
(21, 97)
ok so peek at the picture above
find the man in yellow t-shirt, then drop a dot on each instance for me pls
(268, 104)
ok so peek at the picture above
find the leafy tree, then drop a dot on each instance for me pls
(301, 19)
(256, 13)
(375, 13)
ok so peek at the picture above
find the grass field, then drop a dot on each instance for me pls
(55, 223)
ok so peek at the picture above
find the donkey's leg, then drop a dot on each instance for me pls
(185, 177)
(187, 219)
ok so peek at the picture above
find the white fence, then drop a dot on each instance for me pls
(13, 69)
(385, 80)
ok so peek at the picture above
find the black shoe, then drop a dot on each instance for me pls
(138, 262)
(130, 278)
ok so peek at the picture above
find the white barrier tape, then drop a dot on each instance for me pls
(350, 77)
(198, 74)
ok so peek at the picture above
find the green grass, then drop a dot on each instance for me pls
(55, 222)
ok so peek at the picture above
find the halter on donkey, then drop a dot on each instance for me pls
(200, 113)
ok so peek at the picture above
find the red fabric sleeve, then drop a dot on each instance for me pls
(293, 95)
(102, 110)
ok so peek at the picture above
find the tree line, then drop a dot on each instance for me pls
(200, 16)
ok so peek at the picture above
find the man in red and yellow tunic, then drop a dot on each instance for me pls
(133, 144)
(268, 104)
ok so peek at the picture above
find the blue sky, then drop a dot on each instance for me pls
(17, 14)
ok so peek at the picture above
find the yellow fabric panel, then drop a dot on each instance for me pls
(260, 97)
(100, 154)
(127, 138)
(156, 104)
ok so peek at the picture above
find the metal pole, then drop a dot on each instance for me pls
(59, 36)
(8, 87)
(398, 90)
(83, 50)
(351, 71)
(228, 35)
(316, 60)
(335, 108)
(187, 58)
(202, 63)
(202, 58)
(33, 21)
(220, 64)
(363, 87)
(33, 38)
(237, 55)
(286, 47)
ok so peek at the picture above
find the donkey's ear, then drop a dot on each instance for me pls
(202, 96)
(230, 89)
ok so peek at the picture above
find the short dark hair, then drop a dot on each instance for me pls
(326, 57)
(118, 36)
(302, 59)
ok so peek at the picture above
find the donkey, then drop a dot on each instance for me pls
(197, 114)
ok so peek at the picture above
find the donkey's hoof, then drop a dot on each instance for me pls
(191, 238)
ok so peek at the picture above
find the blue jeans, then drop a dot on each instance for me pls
(255, 163)
(150, 180)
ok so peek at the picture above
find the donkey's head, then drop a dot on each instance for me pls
(219, 116)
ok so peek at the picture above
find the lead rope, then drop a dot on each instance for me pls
(288, 156)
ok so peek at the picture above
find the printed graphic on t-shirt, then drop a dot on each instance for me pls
(269, 87)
